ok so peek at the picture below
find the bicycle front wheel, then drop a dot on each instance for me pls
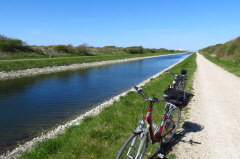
(170, 125)
(134, 147)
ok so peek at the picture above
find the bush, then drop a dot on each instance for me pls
(236, 57)
(13, 45)
(63, 49)
(135, 50)
(39, 51)
(150, 50)
(83, 50)
(110, 47)
(10, 45)
(228, 50)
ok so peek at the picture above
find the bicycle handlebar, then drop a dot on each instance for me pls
(140, 91)
(150, 99)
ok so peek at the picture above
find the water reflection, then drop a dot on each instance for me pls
(17, 86)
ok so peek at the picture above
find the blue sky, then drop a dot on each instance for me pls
(172, 24)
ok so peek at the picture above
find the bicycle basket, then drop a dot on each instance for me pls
(177, 97)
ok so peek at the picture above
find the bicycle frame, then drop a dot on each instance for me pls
(157, 136)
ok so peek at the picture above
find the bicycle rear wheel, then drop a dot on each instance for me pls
(134, 147)
(170, 125)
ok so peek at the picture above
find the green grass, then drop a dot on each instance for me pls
(171, 156)
(33, 56)
(24, 55)
(226, 64)
(102, 136)
(44, 62)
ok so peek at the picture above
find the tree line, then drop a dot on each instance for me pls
(14, 46)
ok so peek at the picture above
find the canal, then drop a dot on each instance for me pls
(29, 106)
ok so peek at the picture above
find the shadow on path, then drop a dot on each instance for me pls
(188, 127)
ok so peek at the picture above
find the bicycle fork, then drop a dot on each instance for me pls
(143, 137)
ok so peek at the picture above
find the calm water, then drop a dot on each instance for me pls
(30, 105)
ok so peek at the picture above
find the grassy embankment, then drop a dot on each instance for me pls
(226, 55)
(228, 65)
(102, 136)
(227, 51)
(60, 61)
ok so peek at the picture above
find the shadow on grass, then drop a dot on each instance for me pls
(188, 127)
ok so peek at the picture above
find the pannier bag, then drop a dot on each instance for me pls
(177, 97)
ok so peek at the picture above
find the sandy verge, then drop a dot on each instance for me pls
(215, 113)
(61, 128)
(47, 70)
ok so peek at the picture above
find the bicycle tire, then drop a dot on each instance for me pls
(130, 140)
(175, 115)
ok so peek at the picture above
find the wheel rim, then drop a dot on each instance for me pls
(171, 124)
(134, 146)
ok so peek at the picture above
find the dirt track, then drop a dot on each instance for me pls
(213, 127)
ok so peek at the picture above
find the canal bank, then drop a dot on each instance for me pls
(78, 120)
(54, 69)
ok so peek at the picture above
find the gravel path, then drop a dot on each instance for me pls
(214, 116)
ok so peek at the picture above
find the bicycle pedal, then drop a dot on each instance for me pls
(161, 155)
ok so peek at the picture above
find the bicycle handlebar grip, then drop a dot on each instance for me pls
(135, 87)
(155, 99)
(138, 89)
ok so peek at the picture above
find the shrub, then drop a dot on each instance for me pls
(109, 47)
(83, 50)
(38, 51)
(229, 50)
(63, 49)
(236, 57)
(150, 50)
(135, 50)
(13, 45)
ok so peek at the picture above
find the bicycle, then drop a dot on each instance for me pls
(179, 80)
(136, 144)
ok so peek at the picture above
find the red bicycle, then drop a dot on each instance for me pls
(136, 144)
